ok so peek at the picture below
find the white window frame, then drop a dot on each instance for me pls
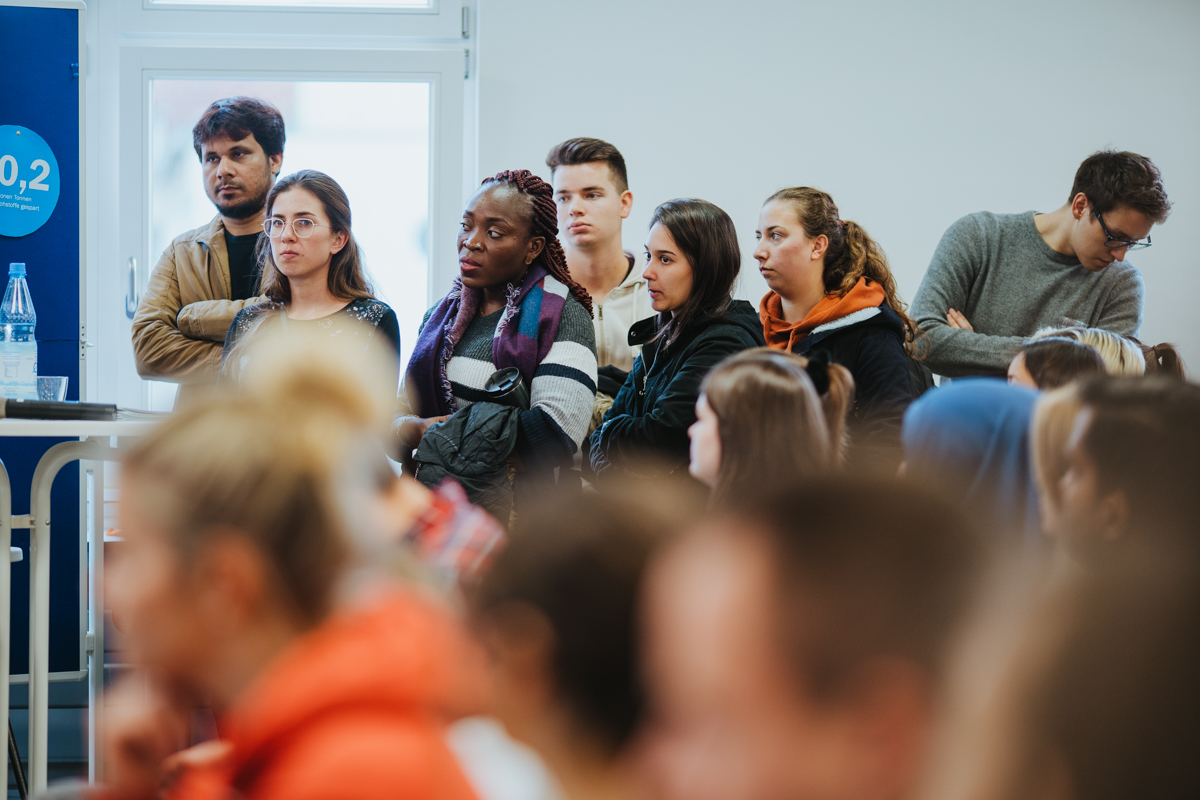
(441, 19)
(442, 68)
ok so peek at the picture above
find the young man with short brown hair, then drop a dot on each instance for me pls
(591, 190)
(997, 278)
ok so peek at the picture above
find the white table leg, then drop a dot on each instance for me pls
(5, 607)
(96, 627)
(48, 467)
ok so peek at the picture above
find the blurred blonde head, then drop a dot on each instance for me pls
(1053, 422)
(1121, 356)
(276, 461)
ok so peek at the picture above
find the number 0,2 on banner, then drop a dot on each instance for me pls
(29, 181)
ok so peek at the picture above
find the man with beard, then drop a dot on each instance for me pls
(207, 275)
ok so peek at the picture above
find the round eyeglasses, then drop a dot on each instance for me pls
(1116, 242)
(303, 228)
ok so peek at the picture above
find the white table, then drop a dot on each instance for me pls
(95, 444)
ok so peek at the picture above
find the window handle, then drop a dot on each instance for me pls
(131, 296)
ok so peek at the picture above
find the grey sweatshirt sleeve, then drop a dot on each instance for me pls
(953, 352)
(1122, 310)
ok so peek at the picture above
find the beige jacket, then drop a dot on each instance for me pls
(180, 325)
(625, 305)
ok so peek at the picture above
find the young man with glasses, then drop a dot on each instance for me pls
(996, 278)
(207, 275)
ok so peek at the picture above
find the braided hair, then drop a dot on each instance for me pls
(544, 222)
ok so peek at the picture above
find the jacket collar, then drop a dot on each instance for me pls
(643, 331)
(209, 232)
(882, 316)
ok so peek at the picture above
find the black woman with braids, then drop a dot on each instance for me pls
(514, 304)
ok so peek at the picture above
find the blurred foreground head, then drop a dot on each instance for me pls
(1132, 466)
(238, 514)
(557, 614)
(969, 441)
(766, 419)
(1085, 692)
(794, 648)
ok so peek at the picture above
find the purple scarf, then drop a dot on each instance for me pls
(523, 338)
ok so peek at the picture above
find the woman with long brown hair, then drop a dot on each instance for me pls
(692, 262)
(833, 292)
(312, 275)
(766, 419)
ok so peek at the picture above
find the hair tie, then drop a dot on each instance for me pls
(842, 224)
(818, 371)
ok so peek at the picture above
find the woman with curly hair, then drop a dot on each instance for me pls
(833, 292)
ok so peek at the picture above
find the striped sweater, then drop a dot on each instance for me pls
(564, 386)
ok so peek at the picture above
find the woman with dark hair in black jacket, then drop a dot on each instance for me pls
(832, 292)
(692, 261)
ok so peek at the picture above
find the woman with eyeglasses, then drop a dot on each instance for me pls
(312, 276)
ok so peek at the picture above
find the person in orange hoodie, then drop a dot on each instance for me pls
(832, 292)
(246, 522)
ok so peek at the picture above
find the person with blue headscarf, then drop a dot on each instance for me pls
(970, 441)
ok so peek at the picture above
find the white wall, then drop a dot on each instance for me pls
(910, 114)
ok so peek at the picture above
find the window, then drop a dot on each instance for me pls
(424, 19)
(387, 125)
(379, 155)
(332, 5)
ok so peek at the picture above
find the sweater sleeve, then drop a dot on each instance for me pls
(160, 350)
(947, 284)
(209, 320)
(563, 393)
(1122, 309)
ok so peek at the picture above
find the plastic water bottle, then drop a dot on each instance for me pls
(18, 348)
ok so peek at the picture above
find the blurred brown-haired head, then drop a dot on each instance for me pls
(1134, 463)
(1055, 361)
(858, 579)
(789, 627)
(776, 428)
(1085, 690)
(558, 608)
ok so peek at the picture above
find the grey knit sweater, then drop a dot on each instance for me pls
(999, 272)
(564, 387)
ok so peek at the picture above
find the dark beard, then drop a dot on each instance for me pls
(244, 209)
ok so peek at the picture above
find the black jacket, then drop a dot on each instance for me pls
(473, 447)
(656, 405)
(886, 381)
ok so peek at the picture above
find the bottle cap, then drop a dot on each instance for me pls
(16, 269)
